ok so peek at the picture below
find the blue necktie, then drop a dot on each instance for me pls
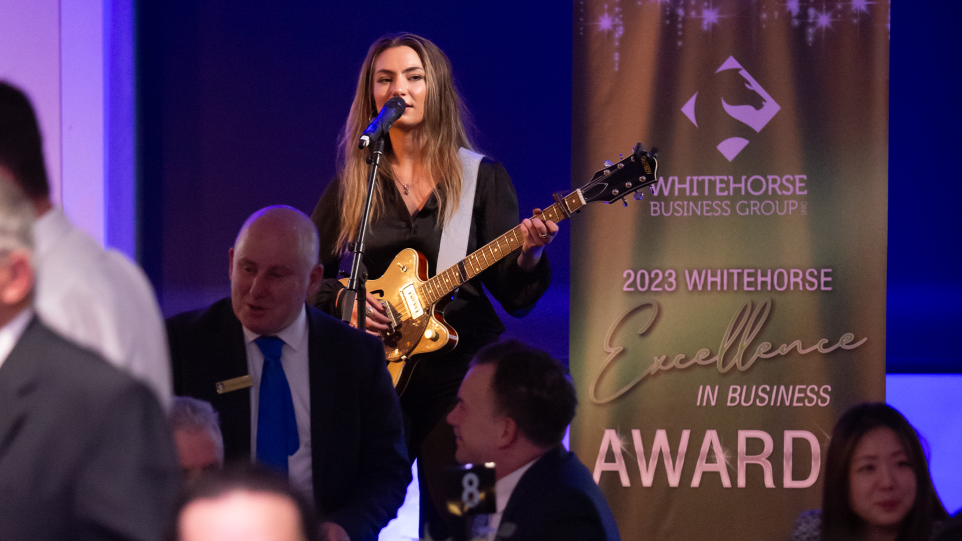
(276, 424)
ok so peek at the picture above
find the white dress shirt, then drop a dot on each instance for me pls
(294, 359)
(101, 300)
(11, 332)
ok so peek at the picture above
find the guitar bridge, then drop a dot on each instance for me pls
(393, 315)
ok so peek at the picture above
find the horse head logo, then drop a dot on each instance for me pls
(755, 117)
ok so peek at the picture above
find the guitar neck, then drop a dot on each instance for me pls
(443, 283)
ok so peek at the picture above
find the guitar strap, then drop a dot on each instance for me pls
(454, 237)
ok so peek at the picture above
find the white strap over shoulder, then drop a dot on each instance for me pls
(454, 238)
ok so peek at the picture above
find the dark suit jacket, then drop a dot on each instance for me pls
(85, 452)
(359, 459)
(557, 499)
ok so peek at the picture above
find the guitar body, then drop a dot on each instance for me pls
(425, 333)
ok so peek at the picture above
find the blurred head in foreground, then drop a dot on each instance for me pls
(244, 502)
(16, 243)
(21, 147)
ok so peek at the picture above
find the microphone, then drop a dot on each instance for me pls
(391, 111)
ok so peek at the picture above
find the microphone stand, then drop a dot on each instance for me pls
(357, 282)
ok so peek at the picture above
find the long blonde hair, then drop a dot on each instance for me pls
(440, 135)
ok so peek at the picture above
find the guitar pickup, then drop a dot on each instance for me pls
(409, 294)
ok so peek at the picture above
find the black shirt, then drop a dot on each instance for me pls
(470, 313)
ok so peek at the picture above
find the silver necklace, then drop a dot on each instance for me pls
(407, 187)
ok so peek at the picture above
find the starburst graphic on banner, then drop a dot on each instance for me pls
(861, 6)
(818, 18)
(859, 9)
(611, 23)
(823, 20)
(795, 10)
(606, 22)
(626, 444)
(709, 17)
(727, 455)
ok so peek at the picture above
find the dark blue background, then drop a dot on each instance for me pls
(240, 104)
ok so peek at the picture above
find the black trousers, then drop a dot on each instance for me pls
(430, 395)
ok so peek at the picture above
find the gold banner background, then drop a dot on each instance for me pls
(636, 65)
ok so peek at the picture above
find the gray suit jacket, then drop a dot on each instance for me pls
(85, 452)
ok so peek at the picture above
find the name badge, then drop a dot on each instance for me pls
(234, 384)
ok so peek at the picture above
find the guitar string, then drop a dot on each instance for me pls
(477, 262)
(429, 290)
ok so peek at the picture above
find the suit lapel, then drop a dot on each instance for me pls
(234, 365)
(528, 483)
(235, 355)
(18, 379)
(321, 395)
(13, 407)
(222, 355)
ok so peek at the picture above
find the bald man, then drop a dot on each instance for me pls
(297, 390)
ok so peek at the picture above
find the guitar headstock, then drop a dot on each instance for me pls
(617, 180)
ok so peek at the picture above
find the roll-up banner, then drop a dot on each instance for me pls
(723, 323)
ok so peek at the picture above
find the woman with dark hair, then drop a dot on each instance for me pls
(425, 181)
(877, 484)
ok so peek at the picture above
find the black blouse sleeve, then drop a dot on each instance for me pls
(327, 217)
(496, 208)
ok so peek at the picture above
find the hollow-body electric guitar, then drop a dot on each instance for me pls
(414, 302)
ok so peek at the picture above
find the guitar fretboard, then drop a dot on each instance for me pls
(446, 281)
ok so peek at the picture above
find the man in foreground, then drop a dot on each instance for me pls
(84, 448)
(513, 408)
(297, 390)
(246, 503)
(97, 298)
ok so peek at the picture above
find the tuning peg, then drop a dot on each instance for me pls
(654, 152)
(608, 163)
(639, 149)
(639, 195)
(624, 201)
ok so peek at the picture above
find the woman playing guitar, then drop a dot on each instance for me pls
(418, 192)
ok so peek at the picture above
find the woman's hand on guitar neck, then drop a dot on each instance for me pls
(376, 318)
(538, 233)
